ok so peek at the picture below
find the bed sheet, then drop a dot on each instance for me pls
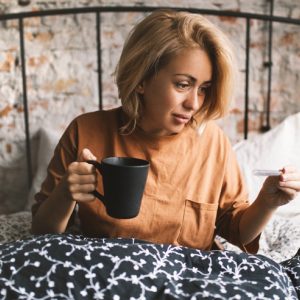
(15, 226)
(75, 267)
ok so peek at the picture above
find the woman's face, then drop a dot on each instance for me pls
(175, 93)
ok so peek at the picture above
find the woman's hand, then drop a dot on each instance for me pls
(81, 178)
(76, 185)
(276, 191)
(280, 190)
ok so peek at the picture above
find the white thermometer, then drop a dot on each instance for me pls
(266, 172)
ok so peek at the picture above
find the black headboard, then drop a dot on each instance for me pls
(98, 11)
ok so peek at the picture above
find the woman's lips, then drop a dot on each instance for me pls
(182, 119)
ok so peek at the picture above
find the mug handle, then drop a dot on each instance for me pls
(98, 166)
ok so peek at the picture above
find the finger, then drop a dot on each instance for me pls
(86, 154)
(82, 188)
(82, 179)
(294, 185)
(288, 169)
(81, 197)
(294, 176)
(81, 168)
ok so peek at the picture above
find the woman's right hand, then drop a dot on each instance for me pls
(81, 178)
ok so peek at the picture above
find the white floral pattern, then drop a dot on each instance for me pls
(76, 267)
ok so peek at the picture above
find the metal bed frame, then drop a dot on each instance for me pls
(270, 18)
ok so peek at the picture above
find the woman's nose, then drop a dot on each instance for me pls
(193, 100)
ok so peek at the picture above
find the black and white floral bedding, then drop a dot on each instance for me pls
(76, 267)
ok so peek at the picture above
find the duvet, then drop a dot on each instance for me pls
(70, 266)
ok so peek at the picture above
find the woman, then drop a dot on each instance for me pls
(175, 76)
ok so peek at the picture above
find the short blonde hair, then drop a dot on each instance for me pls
(157, 39)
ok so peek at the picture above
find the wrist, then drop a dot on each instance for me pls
(265, 203)
(62, 190)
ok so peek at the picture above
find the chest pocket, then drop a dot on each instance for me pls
(198, 225)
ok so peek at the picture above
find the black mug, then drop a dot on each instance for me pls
(124, 180)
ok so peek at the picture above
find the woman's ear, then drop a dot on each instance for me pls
(140, 88)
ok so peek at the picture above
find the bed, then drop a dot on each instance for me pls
(72, 266)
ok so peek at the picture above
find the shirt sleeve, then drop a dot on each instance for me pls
(65, 153)
(233, 203)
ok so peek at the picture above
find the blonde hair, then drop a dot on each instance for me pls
(155, 41)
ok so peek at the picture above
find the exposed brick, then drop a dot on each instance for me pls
(8, 63)
(288, 38)
(20, 109)
(253, 125)
(5, 66)
(32, 22)
(63, 85)
(44, 36)
(8, 148)
(37, 61)
(236, 111)
(5, 111)
(258, 44)
(231, 20)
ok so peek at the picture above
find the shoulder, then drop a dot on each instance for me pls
(211, 138)
(97, 120)
(215, 130)
(212, 133)
(92, 125)
(98, 117)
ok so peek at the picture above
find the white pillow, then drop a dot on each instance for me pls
(272, 150)
(48, 139)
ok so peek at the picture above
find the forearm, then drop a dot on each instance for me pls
(254, 220)
(54, 213)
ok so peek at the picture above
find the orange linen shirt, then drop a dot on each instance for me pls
(194, 188)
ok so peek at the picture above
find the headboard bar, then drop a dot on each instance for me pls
(99, 60)
(92, 9)
(25, 103)
(267, 125)
(247, 63)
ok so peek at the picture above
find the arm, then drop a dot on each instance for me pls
(54, 213)
(276, 191)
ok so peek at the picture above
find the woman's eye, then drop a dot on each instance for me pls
(182, 85)
(202, 90)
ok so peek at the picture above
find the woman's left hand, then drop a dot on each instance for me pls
(280, 190)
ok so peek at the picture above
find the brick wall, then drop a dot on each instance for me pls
(62, 72)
